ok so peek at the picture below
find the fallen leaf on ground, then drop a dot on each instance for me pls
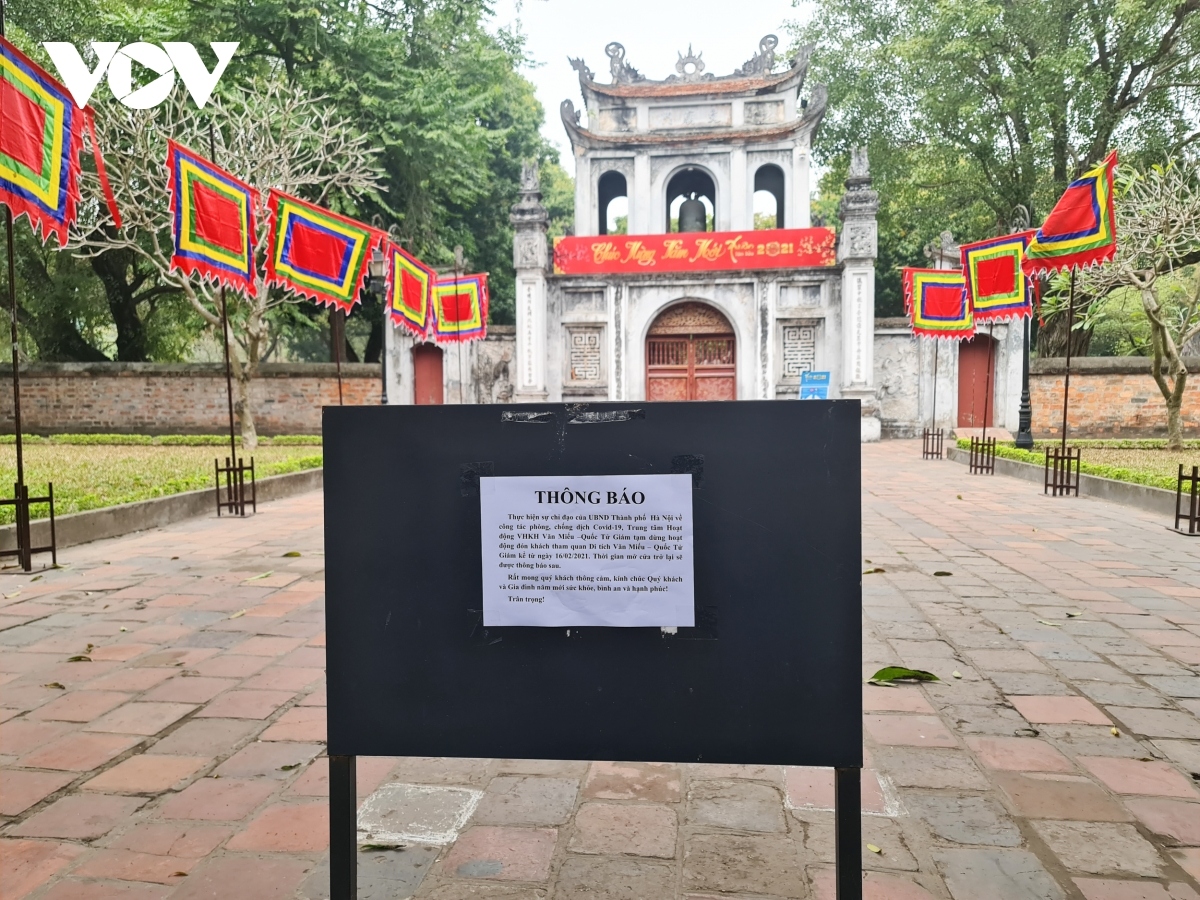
(943, 574)
(956, 673)
(291, 554)
(1115, 732)
(238, 614)
(873, 571)
(289, 767)
(13, 594)
(1051, 624)
(1073, 613)
(55, 685)
(873, 848)
(79, 658)
(896, 673)
(263, 575)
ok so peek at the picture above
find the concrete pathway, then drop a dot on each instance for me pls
(162, 710)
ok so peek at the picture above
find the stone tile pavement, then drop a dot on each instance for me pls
(162, 726)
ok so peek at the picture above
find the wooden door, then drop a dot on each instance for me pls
(427, 374)
(973, 382)
(691, 355)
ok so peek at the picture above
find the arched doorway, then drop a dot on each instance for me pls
(973, 381)
(684, 184)
(690, 355)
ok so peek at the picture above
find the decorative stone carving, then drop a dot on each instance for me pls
(690, 68)
(529, 252)
(690, 318)
(529, 218)
(799, 350)
(896, 379)
(622, 72)
(585, 362)
(490, 371)
(762, 62)
(861, 239)
(585, 74)
(944, 252)
(763, 112)
(858, 239)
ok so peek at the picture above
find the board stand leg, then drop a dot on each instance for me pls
(848, 833)
(343, 829)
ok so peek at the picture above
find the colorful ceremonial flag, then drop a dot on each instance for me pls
(409, 290)
(41, 133)
(317, 253)
(936, 302)
(1081, 230)
(995, 282)
(212, 221)
(460, 307)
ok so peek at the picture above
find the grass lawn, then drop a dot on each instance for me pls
(89, 473)
(1146, 462)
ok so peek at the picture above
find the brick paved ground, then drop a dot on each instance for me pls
(184, 759)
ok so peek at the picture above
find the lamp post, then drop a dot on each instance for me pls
(1020, 221)
(1024, 437)
(377, 284)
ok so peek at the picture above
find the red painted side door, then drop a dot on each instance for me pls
(427, 374)
(973, 382)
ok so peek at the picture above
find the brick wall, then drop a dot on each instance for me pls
(153, 398)
(1110, 397)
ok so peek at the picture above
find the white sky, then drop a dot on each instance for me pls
(653, 32)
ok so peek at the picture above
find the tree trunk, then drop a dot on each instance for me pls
(1175, 419)
(112, 268)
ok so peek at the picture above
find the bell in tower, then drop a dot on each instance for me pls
(692, 215)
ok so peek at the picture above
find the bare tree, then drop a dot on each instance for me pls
(270, 135)
(1158, 236)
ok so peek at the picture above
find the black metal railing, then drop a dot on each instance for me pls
(1189, 498)
(931, 443)
(24, 550)
(236, 498)
(1061, 476)
(983, 456)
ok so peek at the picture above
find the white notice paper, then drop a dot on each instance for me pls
(588, 550)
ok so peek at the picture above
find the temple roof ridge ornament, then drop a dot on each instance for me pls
(622, 72)
(753, 77)
(762, 62)
(690, 68)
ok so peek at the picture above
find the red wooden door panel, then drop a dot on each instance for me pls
(973, 381)
(427, 375)
(690, 355)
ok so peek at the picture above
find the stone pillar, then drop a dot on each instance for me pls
(530, 258)
(857, 249)
(640, 198)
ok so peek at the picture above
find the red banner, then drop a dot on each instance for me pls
(783, 248)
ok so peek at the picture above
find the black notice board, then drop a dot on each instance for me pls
(771, 674)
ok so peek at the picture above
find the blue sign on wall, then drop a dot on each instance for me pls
(814, 385)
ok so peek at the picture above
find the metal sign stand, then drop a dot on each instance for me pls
(933, 437)
(983, 449)
(414, 671)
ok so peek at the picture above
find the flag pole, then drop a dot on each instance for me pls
(337, 321)
(1067, 376)
(212, 153)
(24, 556)
(933, 415)
(458, 261)
(987, 397)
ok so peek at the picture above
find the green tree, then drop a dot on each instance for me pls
(1158, 228)
(971, 108)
